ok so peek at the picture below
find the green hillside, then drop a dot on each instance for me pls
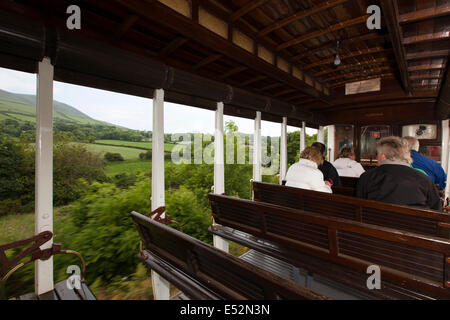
(22, 107)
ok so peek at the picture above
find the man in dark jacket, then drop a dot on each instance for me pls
(394, 181)
(330, 173)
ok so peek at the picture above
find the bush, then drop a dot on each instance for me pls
(111, 157)
(71, 162)
(101, 227)
(146, 155)
(124, 181)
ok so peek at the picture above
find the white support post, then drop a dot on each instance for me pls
(219, 168)
(283, 150)
(44, 171)
(320, 135)
(160, 286)
(303, 137)
(331, 146)
(257, 149)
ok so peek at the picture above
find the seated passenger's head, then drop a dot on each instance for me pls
(347, 152)
(413, 143)
(393, 149)
(320, 146)
(313, 154)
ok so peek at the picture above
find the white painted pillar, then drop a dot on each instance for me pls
(303, 137)
(331, 146)
(44, 171)
(219, 168)
(283, 150)
(160, 286)
(320, 135)
(257, 149)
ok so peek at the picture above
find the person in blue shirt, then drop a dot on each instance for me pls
(431, 167)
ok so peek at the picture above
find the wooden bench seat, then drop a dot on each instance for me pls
(201, 271)
(61, 292)
(412, 266)
(424, 221)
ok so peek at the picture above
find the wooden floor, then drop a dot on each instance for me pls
(61, 292)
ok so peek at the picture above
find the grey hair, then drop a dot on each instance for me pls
(413, 143)
(395, 149)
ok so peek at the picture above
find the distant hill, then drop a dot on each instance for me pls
(22, 107)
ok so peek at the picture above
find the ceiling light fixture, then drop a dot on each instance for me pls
(337, 60)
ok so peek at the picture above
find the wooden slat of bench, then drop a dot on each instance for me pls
(409, 272)
(338, 273)
(28, 296)
(64, 293)
(220, 272)
(401, 217)
(51, 295)
(349, 182)
(85, 293)
(182, 281)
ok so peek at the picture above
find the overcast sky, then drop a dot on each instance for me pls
(130, 111)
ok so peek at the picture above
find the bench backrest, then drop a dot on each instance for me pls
(220, 272)
(346, 191)
(425, 221)
(407, 259)
(349, 182)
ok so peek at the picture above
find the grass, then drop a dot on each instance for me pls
(21, 226)
(128, 166)
(145, 145)
(127, 153)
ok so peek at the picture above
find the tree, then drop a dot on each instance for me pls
(112, 157)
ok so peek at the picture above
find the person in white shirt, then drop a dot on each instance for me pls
(346, 164)
(305, 174)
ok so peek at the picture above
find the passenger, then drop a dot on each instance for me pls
(330, 173)
(394, 181)
(305, 174)
(346, 165)
(432, 168)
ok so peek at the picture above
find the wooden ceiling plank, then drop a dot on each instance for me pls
(444, 35)
(163, 15)
(424, 14)
(250, 6)
(382, 75)
(425, 77)
(340, 76)
(253, 80)
(390, 12)
(298, 16)
(332, 45)
(233, 72)
(427, 54)
(349, 66)
(173, 45)
(423, 67)
(207, 61)
(318, 33)
(125, 26)
(347, 56)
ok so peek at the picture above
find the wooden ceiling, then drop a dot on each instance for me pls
(283, 49)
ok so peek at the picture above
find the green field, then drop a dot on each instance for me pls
(126, 152)
(144, 145)
(128, 166)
